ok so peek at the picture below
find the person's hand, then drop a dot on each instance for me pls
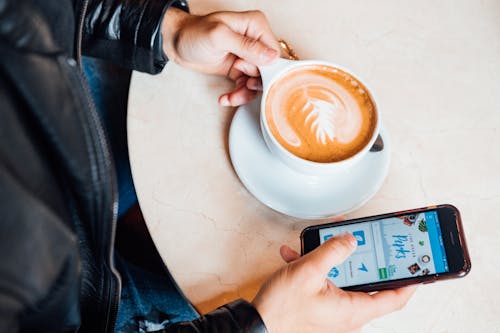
(299, 298)
(231, 44)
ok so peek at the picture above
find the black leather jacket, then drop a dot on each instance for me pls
(58, 197)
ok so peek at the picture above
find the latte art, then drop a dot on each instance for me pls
(326, 116)
(320, 113)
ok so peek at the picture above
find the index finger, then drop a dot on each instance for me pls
(253, 24)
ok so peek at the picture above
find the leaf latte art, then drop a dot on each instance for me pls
(320, 113)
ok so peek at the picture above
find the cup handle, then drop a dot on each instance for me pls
(378, 145)
(268, 72)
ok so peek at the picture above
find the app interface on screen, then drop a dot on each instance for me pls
(389, 249)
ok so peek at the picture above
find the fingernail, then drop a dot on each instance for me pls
(269, 54)
(245, 68)
(238, 100)
(255, 85)
(224, 101)
(240, 80)
(352, 240)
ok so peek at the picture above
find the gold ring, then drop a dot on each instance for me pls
(285, 46)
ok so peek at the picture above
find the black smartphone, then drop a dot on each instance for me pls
(397, 249)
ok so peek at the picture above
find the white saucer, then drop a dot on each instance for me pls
(292, 193)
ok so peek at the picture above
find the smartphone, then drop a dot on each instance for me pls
(397, 249)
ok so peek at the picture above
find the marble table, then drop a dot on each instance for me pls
(435, 67)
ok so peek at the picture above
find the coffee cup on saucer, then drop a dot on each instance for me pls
(317, 117)
(314, 146)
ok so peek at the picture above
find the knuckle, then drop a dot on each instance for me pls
(249, 43)
(399, 305)
(350, 322)
(350, 299)
(216, 30)
(402, 304)
(309, 269)
(289, 274)
(258, 14)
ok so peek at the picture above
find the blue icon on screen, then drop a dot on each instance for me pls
(363, 267)
(360, 237)
(333, 273)
(327, 237)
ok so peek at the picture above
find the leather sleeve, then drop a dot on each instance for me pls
(236, 317)
(39, 263)
(127, 32)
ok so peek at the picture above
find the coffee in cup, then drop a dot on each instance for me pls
(320, 113)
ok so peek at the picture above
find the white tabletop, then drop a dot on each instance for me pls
(435, 67)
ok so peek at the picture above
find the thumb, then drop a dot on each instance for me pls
(249, 49)
(331, 253)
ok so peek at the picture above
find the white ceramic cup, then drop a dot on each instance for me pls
(271, 74)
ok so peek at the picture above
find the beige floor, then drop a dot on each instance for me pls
(435, 67)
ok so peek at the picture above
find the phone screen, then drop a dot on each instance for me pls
(390, 249)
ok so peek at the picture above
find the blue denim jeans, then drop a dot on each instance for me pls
(149, 301)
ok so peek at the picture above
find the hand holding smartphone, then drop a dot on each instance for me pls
(397, 249)
(298, 298)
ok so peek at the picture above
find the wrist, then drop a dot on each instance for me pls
(173, 21)
(263, 313)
